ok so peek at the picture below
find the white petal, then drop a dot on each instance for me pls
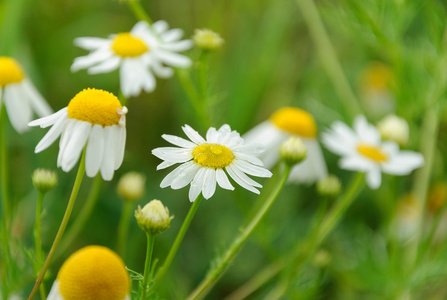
(250, 158)
(374, 178)
(367, 132)
(147, 80)
(186, 177)
(193, 135)
(165, 164)
(356, 163)
(251, 169)
(160, 70)
(54, 292)
(91, 43)
(178, 141)
(403, 163)
(76, 143)
(65, 137)
(178, 46)
(109, 154)
(94, 150)
(172, 35)
(223, 181)
(160, 26)
(49, 120)
(209, 183)
(18, 109)
(196, 185)
(133, 77)
(167, 181)
(212, 136)
(174, 59)
(105, 66)
(52, 134)
(37, 102)
(171, 154)
(84, 62)
(313, 168)
(240, 181)
(243, 176)
(142, 27)
(120, 146)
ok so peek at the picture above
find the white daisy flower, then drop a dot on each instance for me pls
(363, 150)
(139, 54)
(20, 96)
(203, 161)
(92, 273)
(284, 123)
(94, 118)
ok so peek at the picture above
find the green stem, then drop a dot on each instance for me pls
(328, 56)
(178, 240)
(202, 75)
(4, 167)
(123, 227)
(60, 232)
(147, 265)
(138, 11)
(37, 239)
(319, 234)
(212, 276)
(82, 218)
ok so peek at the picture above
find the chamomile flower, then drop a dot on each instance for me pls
(93, 119)
(363, 150)
(92, 273)
(139, 54)
(284, 123)
(204, 162)
(20, 96)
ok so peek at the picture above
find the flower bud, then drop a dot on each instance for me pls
(394, 129)
(322, 258)
(44, 180)
(207, 39)
(293, 151)
(329, 186)
(131, 186)
(154, 217)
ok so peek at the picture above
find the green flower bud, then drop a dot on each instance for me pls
(394, 128)
(322, 258)
(293, 151)
(131, 186)
(154, 217)
(207, 39)
(44, 180)
(329, 186)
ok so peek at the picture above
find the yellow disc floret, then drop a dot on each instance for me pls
(212, 156)
(295, 121)
(93, 273)
(372, 152)
(95, 106)
(10, 71)
(128, 45)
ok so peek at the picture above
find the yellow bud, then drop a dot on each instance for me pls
(154, 217)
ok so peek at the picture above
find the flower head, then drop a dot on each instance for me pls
(203, 161)
(139, 54)
(363, 150)
(154, 217)
(293, 151)
(20, 96)
(92, 273)
(94, 118)
(44, 180)
(394, 129)
(329, 186)
(290, 122)
(131, 186)
(207, 39)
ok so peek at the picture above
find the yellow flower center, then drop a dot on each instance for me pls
(212, 156)
(127, 45)
(93, 273)
(95, 106)
(295, 121)
(374, 153)
(10, 71)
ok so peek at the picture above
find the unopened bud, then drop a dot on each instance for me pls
(131, 186)
(329, 186)
(394, 129)
(44, 180)
(293, 151)
(207, 39)
(322, 258)
(154, 217)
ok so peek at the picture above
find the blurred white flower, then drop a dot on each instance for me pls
(363, 150)
(20, 96)
(284, 123)
(203, 161)
(139, 54)
(94, 118)
(93, 272)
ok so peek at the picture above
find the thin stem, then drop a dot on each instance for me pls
(202, 75)
(178, 240)
(123, 227)
(60, 232)
(319, 234)
(82, 218)
(328, 56)
(4, 167)
(138, 11)
(212, 276)
(147, 265)
(37, 239)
